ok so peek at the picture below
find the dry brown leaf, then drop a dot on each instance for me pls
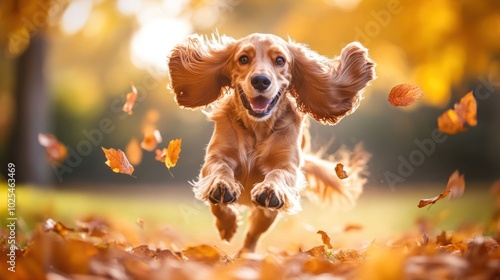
(426, 201)
(453, 120)
(117, 161)
(173, 150)
(404, 95)
(325, 238)
(133, 152)
(339, 169)
(455, 188)
(56, 151)
(151, 140)
(131, 98)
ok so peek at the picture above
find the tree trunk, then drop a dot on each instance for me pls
(31, 115)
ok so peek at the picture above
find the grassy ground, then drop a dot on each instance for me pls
(171, 217)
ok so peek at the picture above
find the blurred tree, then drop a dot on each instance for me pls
(23, 38)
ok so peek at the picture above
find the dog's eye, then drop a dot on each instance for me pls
(243, 59)
(280, 61)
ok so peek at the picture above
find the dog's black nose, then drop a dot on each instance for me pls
(261, 82)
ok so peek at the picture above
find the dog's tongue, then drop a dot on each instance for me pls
(259, 103)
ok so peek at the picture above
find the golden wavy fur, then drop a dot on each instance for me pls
(260, 89)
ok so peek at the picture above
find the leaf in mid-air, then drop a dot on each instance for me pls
(117, 161)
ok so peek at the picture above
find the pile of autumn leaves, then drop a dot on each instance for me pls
(94, 248)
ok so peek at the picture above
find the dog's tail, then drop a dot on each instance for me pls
(325, 187)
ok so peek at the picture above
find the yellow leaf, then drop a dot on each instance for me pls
(173, 150)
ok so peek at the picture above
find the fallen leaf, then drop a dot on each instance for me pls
(151, 140)
(57, 227)
(318, 252)
(339, 169)
(203, 253)
(131, 98)
(404, 95)
(173, 150)
(56, 151)
(325, 238)
(117, 161)
(133, 152)
(455, 188)
(453, 121)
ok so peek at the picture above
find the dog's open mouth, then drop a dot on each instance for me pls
(260, 106)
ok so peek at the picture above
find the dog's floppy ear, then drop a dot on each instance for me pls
(329, 89)
(199, 69)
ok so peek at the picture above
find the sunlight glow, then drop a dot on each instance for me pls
(154, 40)
(345, 5)
(128, 7)
(75, 16)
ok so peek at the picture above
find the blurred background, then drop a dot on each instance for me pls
(67, 66)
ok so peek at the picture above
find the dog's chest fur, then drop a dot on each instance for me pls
(253, 143)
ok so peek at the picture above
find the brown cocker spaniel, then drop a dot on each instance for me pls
(259, 89)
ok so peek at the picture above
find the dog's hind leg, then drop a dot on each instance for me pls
(226, 220)
(260, 221)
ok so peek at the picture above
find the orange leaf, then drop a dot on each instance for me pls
(339, 169)
(449, 122)
(133, 152)
(325, 238)
(404, 95)
(173, 150)
(426, 201)
(131, 98)
(455, 188)
(452, 121)
(151, 140)
(56, 151)
(117, 161)
(57, 227)
(467, 109)
(202, 253)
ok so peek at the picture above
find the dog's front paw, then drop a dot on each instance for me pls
(223, 193)
(265, 195)
(217, 189)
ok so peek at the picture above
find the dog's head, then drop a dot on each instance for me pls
(261, 68)
(261, 73)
